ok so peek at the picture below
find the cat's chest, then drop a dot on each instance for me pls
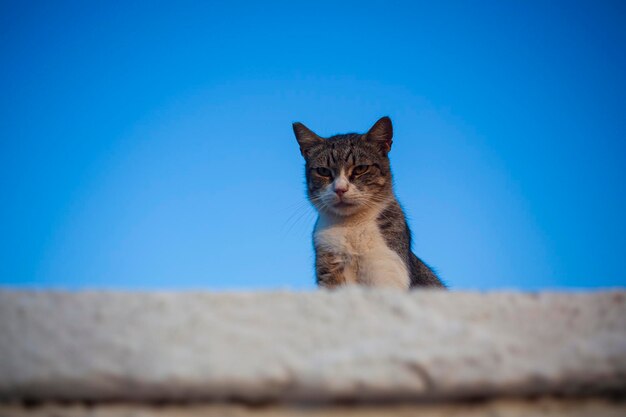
(351, 240)
(362, 250)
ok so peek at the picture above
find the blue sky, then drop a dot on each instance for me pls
(149, 145)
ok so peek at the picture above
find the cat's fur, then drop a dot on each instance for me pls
(361, 235)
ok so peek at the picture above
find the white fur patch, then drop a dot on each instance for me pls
(341, 181)
(368, 260)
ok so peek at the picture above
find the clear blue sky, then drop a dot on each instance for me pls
(148, 145)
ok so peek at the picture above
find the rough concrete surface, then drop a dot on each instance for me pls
(547, 407)
(315, 347)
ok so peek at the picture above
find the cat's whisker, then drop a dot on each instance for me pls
(301, 213)
(289, 225)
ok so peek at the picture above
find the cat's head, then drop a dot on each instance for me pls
(347, 174)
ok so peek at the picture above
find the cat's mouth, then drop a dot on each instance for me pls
(344, 204)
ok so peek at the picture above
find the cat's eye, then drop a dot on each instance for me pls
(323, 172)
(360, 169)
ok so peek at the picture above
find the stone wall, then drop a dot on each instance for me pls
(355, 351)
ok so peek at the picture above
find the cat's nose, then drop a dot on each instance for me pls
(340, 191)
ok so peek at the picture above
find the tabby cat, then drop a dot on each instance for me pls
(361, 235)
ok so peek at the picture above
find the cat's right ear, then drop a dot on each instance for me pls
(306, 138)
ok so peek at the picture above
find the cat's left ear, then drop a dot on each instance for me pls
(381, 133)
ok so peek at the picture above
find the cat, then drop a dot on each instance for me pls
(361, 235)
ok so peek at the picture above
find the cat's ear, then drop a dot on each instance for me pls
(306, 138)
(381, 133)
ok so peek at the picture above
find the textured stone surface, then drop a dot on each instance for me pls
(499, 408)
(355, 343)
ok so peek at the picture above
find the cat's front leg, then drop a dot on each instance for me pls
(329, 268)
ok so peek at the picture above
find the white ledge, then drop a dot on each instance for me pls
(351, 344)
